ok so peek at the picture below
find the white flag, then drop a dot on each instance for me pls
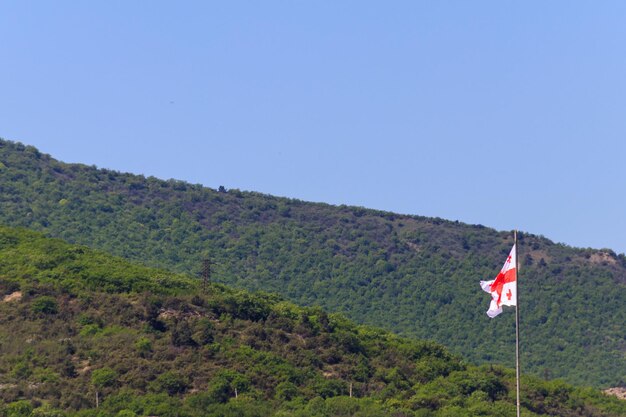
(503, 288)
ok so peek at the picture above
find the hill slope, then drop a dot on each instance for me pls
(80, 329)
(416, 276)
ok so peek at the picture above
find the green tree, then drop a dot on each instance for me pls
(171, 382)
(21, 408)
(102, 379)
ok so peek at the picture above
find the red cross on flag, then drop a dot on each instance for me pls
(503, 289)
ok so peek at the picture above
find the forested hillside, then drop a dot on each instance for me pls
(80, 330)
(413, 275)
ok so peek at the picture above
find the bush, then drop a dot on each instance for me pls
(45, 305)
(203, 334)
(21, 370)
(89, 330)
(181, 334)
(21, 408)
(46, 412)
(143, 345)
(286, 391)
(104, 377)
(331, 388)
(170, 382)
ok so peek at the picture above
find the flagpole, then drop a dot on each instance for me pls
(517, 326)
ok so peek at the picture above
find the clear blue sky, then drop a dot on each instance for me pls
(507, 114)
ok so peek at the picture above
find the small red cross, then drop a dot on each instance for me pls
(509, 294)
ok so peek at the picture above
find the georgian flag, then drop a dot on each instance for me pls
(503, 289)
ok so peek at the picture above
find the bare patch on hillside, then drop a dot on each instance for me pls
(413, 246)
(17, 295)
(168, 313)
(82, 366)
(619, 392)
(602, 258)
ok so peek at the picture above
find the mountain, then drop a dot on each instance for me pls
(80, 329)
(413, 275)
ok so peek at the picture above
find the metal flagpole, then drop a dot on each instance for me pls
(517, 324)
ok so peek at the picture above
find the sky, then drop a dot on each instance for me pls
(501, 113)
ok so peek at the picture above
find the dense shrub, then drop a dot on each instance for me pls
(45, 305)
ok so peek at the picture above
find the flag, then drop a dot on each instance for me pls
(503, 288)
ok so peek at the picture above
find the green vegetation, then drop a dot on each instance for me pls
(178, 351)
(413, 275)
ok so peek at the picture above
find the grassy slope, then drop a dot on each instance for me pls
(87, 322)
(413, 275)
